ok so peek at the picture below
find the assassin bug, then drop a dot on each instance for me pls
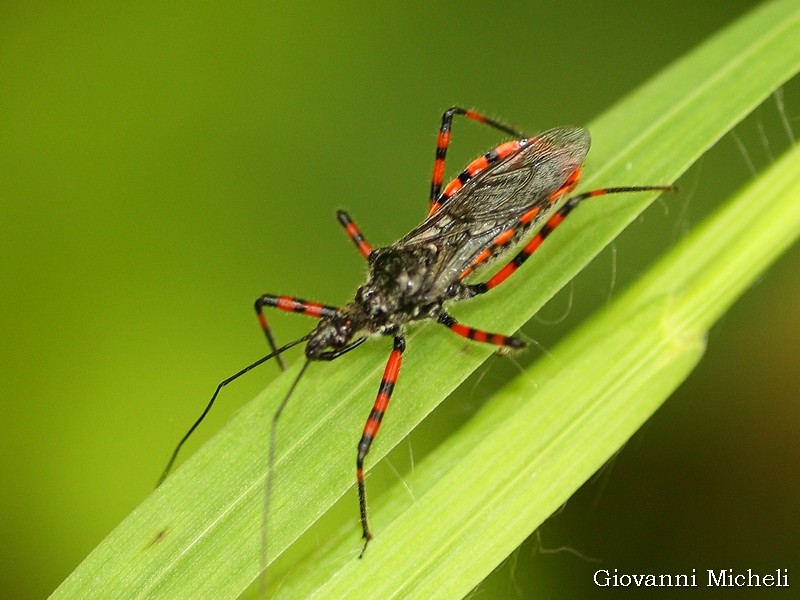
(478, 217)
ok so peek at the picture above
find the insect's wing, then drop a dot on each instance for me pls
(495, 200)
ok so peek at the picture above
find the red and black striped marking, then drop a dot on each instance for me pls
(390, 374)
(529, 248)
(502, 241)
(478, 335)
(474, 168)
(288, 304)
(296, 305)
(510, 235)
(443, 142)
(550, 226)
(354, 233)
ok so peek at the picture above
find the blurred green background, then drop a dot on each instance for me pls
(163, 164)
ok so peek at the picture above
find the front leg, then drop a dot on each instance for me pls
(372, 425)
(288, 304)
(354, 233)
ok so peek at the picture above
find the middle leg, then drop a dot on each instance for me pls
(372, 425)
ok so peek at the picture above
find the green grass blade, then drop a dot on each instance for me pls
(480, 494)
(198, 536)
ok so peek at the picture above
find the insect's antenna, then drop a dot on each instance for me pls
(271, 476)
(221, 385)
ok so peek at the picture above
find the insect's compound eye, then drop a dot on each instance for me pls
(342, 334)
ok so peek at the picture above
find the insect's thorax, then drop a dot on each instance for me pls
(398, 289)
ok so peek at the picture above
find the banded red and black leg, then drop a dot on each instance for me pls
(443, 142)
(354, 233)
(288, 304)
(554, 221)
(372, 425)
(479, 335)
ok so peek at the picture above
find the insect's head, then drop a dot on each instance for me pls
(332, 334)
